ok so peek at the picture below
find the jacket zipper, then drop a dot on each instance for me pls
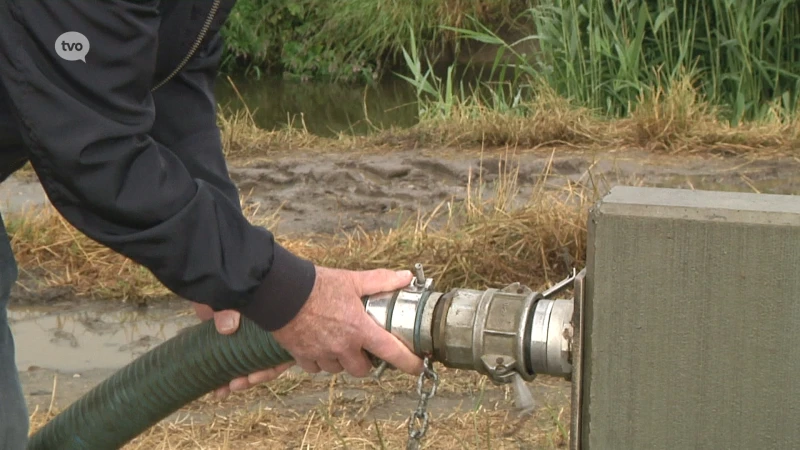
(200, 36)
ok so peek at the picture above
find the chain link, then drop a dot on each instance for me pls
(420, 418)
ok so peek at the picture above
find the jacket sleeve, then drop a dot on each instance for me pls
(88, 128)
(195, 138)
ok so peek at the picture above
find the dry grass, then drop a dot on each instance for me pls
(682, 122)
(271, 429)
(242, 138)
(494, 237)
(548, 120)
(51, 253)
(482, 242)
(327, 412)
(673, 120)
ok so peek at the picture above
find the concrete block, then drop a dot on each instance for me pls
(691, 321)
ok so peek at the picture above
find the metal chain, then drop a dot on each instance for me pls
(419, 420)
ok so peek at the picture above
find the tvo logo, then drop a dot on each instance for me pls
(72, 46)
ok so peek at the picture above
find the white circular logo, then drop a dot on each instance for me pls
(72, 46)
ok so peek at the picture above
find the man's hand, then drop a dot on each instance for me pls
(227, 322)
(333, 332)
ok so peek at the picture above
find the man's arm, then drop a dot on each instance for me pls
(186, 118)
(88, 128)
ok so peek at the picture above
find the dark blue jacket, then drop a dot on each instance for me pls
(127, 147)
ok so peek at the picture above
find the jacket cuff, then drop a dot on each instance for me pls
(283, 291)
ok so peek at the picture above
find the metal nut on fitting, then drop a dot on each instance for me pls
(453, 332)
(480, 328)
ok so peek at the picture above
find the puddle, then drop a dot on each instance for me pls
(91, 338)
(322, 108)
(18, 194)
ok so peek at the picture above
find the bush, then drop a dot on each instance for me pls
(347, 39)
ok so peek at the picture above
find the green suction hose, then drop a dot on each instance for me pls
(159, 383)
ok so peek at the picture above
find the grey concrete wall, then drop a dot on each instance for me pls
(692, 322)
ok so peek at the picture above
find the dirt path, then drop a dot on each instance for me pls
(331, 192)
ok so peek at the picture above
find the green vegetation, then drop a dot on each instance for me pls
(348, 39)
(741, 56)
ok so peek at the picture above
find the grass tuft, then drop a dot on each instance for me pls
(546, 119)
(663, 118)
(677, 119)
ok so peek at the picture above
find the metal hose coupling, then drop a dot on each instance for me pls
(506, 334)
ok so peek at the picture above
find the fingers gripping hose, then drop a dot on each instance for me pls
(159, 383)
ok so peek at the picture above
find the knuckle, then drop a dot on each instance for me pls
(338, 348)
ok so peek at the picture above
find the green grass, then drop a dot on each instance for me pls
(740, 56)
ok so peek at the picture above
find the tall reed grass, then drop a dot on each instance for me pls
(742, 56)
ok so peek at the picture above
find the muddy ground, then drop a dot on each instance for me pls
(326, 193)
(79, 344)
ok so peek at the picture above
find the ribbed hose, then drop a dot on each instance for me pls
(157, 384)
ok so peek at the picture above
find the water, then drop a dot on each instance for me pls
(95, 337)
(20, 195)
(325, 109)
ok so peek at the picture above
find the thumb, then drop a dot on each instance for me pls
(226, 321)
(204, 312)
(389, 348)
(370, 282)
